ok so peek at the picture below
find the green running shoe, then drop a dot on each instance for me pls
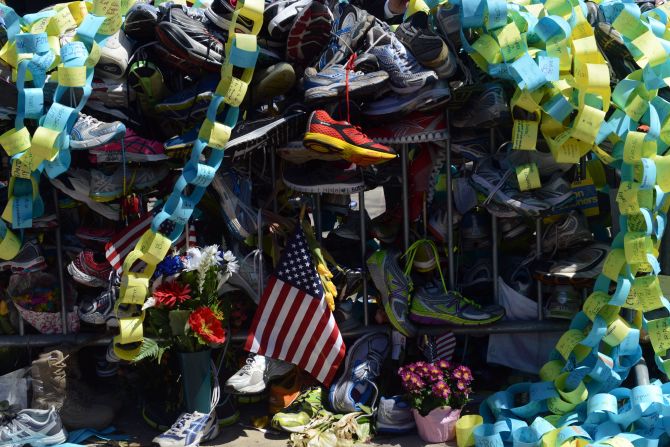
(299, 414)
(394, 287)
(432, 304)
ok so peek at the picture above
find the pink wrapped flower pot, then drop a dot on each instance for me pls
(438, 426)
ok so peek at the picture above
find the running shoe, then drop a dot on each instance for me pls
(270, 82)
(395, 287)
(272, 132)
(416, 127)
(132, 147)
(432, 304)
(310, 31)
(89, 132)
(570, 231)
(299, 414)
(220, 13)
(190, 103)
(484, 110)
(107, 187)
(348, 31)
(332, 83)
(557, 192)
(247, 277)
(427, 47)
(34, 427)
(29, 259)
(189, 39)
(110, 93)
(227, 412)
(188, 431)
(285, 392)
(362, 365)
(394, 415)
(430, 97)
(295, 152)
(256, 374)
(448, 23)
(90, 268)
(76, 183)
(322, 177)
(114, 56)
(585, 263)
(326, 135)
(100, 310)
(235, 198)
(406, 75)
(141, 21)
(279, 16)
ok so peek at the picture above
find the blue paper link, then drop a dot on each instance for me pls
(496, 14)
(22, 212)
(527, 74)
(472, 13)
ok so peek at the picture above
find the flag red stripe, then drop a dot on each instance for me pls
(335, 365)
(303, 358)
(277, 303)
(269, 287)
(286, 325)
(302, 330)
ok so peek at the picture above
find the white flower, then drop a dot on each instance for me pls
(150, 302)
(212, 252)
(232, 266)
(228, 256)
(193, 259)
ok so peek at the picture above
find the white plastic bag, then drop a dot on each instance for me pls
(14, 388)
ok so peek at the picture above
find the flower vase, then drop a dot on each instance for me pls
(438, 426)
(197, 380)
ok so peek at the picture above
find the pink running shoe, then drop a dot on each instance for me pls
(86, 270)
(136, 149)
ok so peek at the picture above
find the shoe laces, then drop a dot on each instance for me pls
(179, 425)
(59, 367)
(89, 120)
(250, 364)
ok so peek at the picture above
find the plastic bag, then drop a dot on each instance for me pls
(14, 388)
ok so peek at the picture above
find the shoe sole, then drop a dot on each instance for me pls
(276, 82)
(450, 319)
(84, 279)
(58, 438)
(309, 34)
(426, 100)
(359, 88)
(356, 154)
(117, 157)
(280, 131)
(331, 188)
(34, 265)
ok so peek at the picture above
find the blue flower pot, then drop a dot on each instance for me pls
(196, 378)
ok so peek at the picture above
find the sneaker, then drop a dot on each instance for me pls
(430, 97)
(283, 393)
(356, 386)
(611, 44)
(76, 183)
(484, 110)
(158, 416)
(585, 263)
(191, 103)
(349, 28)
(105, 369)
(89, 132)
(235, 198)
(324, 134)
(279, 16)
(432, 304)
(564, 303)
(448, 23)
(570, 231)
(254, 377)
(492, 181)
(438, 224)
(310, 31)
(394, 415)
(513, 227)
(100, 310)
(188, 431)
(331, 83)
(132, 147)
(189, 39)
(478, 277)
(140, 23)
(273, 131)
(88, 271)
(29, 259)
(300, 413)
(406, 75)
(270, 82)
(557, 193)
(114, 56)
(347, 315)
(427, 47)
(34, 427)
(113, 93)
(220, 13)
(105, 188)
(296, 153)
(320, 177)
(395, 288)
(94, 235)
(227, 412)
(416, 127)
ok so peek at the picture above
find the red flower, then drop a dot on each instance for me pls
(170, 293)
(204, 323)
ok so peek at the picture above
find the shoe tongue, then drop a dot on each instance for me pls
(420, 20)
(378, 36)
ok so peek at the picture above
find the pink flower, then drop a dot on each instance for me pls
(444, 364)
(462, 386)
(440, 389)
(462, 372)
(414, 384)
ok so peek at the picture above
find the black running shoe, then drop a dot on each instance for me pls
(318, 176)
(190, 39)
(140, 23)
(273, 131)
(427, 47)
(220, 13)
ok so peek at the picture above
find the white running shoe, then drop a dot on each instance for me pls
(256, 374)
(39, 428)
(189, 430)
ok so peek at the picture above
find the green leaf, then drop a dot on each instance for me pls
(149, 349)
(365, 409)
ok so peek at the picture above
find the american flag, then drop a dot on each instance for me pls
(124, 241)
(293, 322)
(439, 347)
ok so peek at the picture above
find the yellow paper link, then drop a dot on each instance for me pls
(131, 330)
(8, 54)
(616, 332)
(78, 11)
(512, 43)
(72, 76)
(236, 89)
(586, 51)
(10, 245)
(587, 124)
(465, 427)
(15, 141)
(154, 247)
(659, 334)
(560, 50)
(528, 177)
(551, 370)
(595, 79)
(134, 288)
(43, 145)
(93, 56)
(61, 22)
(528, 101)
(489, 49)
(629, 25)
(524, 136)
(663, 171)
(253, 10)
(627, 198)
(597, 304)
(216, 134)
(645, 294)
(21, 167)
(40, 26)
(652, 52)
(568, 342)
(636, 247)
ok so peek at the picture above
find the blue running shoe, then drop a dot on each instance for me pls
(362, 366)
(349, 29)
(331, 83)
(189, 104)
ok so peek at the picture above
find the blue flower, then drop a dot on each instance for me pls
(171, 265)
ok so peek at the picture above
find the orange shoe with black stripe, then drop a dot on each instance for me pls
(326, 135)
(283, 393)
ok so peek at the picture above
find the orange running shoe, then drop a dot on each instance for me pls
(283, 393)
(326, 135)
